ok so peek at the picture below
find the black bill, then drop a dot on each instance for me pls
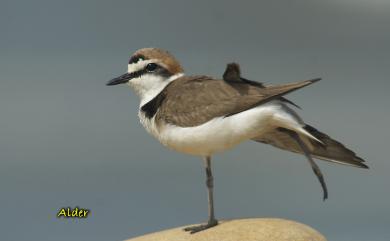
(120, 80)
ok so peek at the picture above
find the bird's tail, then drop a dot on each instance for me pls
(319, 145)
(332, 150)
(312, 143)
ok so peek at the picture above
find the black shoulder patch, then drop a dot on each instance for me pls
(151, 108)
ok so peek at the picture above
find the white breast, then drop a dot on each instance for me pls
(222, 133)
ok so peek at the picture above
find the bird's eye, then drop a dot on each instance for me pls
(151, 67)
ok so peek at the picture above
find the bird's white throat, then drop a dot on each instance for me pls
(149, 86)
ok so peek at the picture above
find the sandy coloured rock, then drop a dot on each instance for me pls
(255, 229)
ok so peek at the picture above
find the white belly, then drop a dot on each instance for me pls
(221, 133)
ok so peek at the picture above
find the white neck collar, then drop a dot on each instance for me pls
(149, 95)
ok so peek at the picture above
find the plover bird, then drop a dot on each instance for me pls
(201, 115)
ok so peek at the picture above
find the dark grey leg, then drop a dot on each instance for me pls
(314, 166)
(210, 184)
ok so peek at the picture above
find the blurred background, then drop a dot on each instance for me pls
(67, 140)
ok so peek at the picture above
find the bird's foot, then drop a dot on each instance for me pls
(198, 228)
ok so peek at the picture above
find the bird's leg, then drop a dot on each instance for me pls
(314, 166)
(210, 187)
(210, 184)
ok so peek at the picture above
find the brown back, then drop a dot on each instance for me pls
(194, 100)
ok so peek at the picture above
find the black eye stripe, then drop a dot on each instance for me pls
(139, 73)
(159, 71)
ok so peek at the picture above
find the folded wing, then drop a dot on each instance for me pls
(194, 100)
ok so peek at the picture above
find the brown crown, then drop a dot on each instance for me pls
(164, 57)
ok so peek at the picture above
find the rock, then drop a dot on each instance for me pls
(255, 229)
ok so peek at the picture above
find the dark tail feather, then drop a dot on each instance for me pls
(332, 150)
(329, 150)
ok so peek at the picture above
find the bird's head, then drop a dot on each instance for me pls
(149, 71)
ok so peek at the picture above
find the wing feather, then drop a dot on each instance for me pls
(194, 100)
